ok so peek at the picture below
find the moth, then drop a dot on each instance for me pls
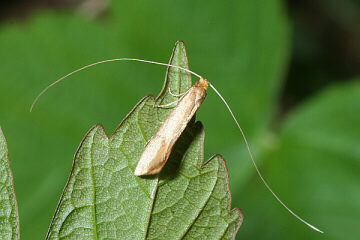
(158, 148)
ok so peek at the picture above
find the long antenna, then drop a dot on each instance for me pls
(216, 91)
(256, 168)
(105, 61)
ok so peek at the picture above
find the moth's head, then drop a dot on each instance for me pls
(202, 83)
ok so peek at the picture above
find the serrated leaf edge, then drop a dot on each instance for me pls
(11, 176)
(101, 128)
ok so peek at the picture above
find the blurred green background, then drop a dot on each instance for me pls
(289, 70)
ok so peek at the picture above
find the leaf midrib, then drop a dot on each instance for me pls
(93, 209)
(151, 207)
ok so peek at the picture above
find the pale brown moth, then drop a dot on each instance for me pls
(159, 147)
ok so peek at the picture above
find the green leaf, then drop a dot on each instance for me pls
(315, 169)
(9, 217)
(189, 199)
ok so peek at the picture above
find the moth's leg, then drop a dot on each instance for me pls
(176, 95)
(166, 105)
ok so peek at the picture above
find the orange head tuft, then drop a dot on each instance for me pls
(203, 83)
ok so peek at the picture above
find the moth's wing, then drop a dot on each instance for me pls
(154, 157)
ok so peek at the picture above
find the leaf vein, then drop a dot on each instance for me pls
(93, 209)
(202, 207)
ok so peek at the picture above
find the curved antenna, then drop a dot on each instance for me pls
(105, 61)
(256, 167)
(216, 91)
